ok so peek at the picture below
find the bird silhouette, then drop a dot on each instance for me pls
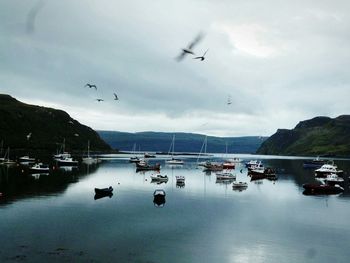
(99, 100)
(28, 136)
(188, 50)
(202, 57)
(91, 86)
(115, 97)
(229, 101)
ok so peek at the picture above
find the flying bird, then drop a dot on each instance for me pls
(99, 100)
(91, 86)
(28, 136)
(229, 100)
(189, 49)
(202, 57)
(115, 97)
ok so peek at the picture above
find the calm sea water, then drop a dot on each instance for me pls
(55, 218)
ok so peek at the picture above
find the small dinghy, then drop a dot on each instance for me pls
(239, 185)
(104, 190)
(159, 198)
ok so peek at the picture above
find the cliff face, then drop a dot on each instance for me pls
(47, 128)
(317, 136)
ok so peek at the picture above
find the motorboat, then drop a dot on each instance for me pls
(67, 162)
(159, 178)
(327, 169)
(144, 166)
(134, 159)
(333, 179)
(149, 155)
(251, 163)
(61, 156)
(239, 185)
(211, 166)
(39, 168)
(225, 176)
(26, 159)
(322, 189)
(228, 165)
(180, 179)
(315, 163)
(175, 161)
(256, 166)
(159, 198)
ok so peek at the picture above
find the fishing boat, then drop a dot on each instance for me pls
(171, 151)
(228, 165)
(180, 179)
(144, 166)
(251, 163)
(39, 168)
(239, 185)
(322, 189)
(256, 166)
(225, 176)
(159, 178)
(149, 155)
(213, 166)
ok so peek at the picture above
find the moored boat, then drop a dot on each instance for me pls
(159, 198)
(322, 189)
(39, 168)
(225, 176)
(239, 185)
(333, 179)
(180, 179)
(315, 163)
(144, 166)
(327, 169)
(26, 159)
(104, 190)
(67, 162)
(159, 178)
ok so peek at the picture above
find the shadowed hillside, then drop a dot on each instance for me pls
(24, 126)
(318, 136)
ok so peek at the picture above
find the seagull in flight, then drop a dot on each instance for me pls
(115, 97)
(229, 101)
(99, 100)
(28, 136)
(91, 86)
(188, 50)
(202, 57)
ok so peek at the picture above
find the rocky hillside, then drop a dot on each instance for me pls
(319, 136)
(24, 126)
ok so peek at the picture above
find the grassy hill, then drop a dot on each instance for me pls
(318, 136)
(184, 142)
(48, 127)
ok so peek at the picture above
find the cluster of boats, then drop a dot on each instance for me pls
(328, 174)
(257, 171)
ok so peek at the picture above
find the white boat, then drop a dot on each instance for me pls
(256, 166)
(39, 168)
(89, 159)
(251, 163)
(333, 179)
(225, 176)
(26, 159)
(159, 192)
(172, 150)
(62, 154)
(180, 179)
(239, 185)
(134, 159)
(67, 162)
(159, 178)
(327, 169)
(6, 160)
(204, 150)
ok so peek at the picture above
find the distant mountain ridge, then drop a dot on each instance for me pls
(45, 127)
(318, 136)
(184, 142)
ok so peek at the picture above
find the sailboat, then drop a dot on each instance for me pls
(7, 158)
(173, 160)
(89, 159)
(134, 158)
(203, 151)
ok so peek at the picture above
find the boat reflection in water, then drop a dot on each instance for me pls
(159, 198)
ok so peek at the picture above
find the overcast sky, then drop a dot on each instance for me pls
(280, 62)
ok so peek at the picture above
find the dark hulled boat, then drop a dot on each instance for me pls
(322, 189)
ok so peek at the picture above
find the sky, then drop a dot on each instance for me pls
(279, 62)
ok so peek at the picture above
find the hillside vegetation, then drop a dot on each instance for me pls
(318, 136)
(47, 128)
(184, 142)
